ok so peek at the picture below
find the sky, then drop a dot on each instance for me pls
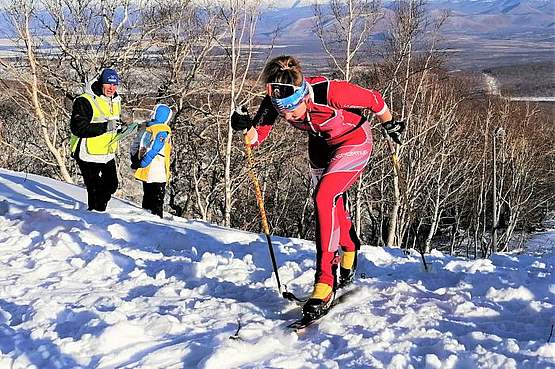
(126, 289)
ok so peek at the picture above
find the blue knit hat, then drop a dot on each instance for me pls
(109, 76)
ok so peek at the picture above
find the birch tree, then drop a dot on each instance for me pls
(411, 28)
(34, 96)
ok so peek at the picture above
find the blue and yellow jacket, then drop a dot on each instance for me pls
(152, 146)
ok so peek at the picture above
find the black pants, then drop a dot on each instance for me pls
(153, 197)
(101, 181)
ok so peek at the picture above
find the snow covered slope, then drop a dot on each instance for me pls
(128, 290)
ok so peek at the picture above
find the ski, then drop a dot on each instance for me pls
(304, 322)
(299, 325)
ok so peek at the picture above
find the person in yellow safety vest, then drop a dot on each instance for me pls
(150, 156)
(95, 121)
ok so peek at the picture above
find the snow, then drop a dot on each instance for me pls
(492, 87)
(125, 289)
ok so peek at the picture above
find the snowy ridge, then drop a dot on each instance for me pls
(127, 290)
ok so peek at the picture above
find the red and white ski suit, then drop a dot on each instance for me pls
(339, 147)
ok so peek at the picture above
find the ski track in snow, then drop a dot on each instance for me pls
(125, 289)
(492, 88)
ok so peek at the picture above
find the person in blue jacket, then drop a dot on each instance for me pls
(150, 156)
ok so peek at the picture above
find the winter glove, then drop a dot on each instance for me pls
(240, 119)
(135, 161)
(394, 129)
(251, 136)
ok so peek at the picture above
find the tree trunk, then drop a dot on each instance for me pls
(34, 92)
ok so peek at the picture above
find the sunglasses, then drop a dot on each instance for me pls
(286, 97)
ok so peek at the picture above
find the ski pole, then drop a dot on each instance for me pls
(265, 227)
(394, 157)
(260, 201)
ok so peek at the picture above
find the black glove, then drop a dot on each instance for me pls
(135, 161)
(240, 119)
(394, 129)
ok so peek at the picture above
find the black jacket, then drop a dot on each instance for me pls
(81, 116)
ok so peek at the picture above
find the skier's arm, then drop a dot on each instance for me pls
(345, 95)
(158, 144)
(81, 116)
(257, 129)
(263, 121)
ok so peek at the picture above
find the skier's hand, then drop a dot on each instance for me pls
(394, 129)
(240, 119)
(251, 136)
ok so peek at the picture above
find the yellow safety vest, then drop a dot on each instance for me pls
(103, 110)
(142, 173)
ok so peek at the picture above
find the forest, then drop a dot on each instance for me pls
(472, 166)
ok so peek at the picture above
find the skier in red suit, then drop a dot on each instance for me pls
(339, 148)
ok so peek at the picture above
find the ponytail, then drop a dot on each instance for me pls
(283, 69)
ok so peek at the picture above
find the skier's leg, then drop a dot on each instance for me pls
(349, 242)
(346, 240)
(329, 189)
(319, 154)
(345, 166)
(328, 193)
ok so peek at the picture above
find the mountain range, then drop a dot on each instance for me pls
(466, 17)
(478, 34)
(484, 31)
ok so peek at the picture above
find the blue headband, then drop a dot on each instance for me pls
(290, 102)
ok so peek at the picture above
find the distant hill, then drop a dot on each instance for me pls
(502, 17)
(478, 33)
(481, 33)
(487, 18)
